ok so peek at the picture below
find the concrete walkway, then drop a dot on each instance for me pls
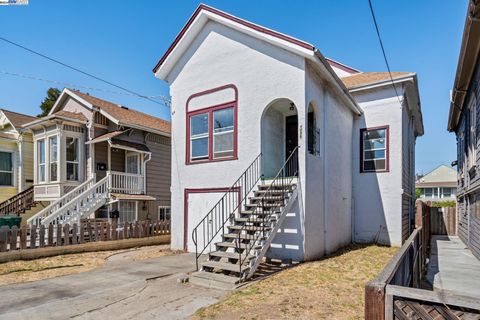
(453, 267)
(123, 289)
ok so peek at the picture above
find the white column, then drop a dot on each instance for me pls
(21, 171)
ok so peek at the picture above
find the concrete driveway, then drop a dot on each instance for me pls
(122, 289)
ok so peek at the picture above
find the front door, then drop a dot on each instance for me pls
(291, 135)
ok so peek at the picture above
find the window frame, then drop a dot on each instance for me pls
(50, 162)
(210, 110)
(165, 208)
(11, 172)
(39, 163)
(77, 162)
(387, 149)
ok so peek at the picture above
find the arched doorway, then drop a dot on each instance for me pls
(279, 129)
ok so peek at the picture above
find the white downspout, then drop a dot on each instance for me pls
(145, 171)
(325, 172)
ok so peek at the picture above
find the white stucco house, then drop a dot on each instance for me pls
(280, 152)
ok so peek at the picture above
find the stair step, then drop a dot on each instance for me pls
(276, 186)
(224, 266)
(242, 236)
(252, 220)
(266, 198)
(214, 280)
(234, 245)
(265, 205)
(258, 213)
(228, 255)
(248, 228)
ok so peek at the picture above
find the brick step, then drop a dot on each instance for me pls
(228, 255)
(225, 266)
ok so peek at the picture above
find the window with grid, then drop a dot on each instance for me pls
(374, 150)
(53, 146)
(72, 156)
(41, 160)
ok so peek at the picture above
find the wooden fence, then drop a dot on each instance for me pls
(396, 293)
(443, 221)
(87, 231)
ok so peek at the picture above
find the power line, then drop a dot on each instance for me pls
(164, 99)
(383, 49)
(77, 70)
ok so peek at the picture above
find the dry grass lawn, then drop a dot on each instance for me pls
(332, 288)
(45, 268)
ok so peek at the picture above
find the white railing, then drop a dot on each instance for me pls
(129, 183)
(82, 205)
(38, 218)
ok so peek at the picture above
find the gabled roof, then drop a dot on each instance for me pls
(369, 78)
(17, 119)
(71, 115)
(439, 176)
(119, 114)
(204, 13)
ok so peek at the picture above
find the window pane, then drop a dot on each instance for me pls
(428, 192)
(6, 161)
(72, 171)
(132, 163)
(447, 192)
(378, 154)
(199, 148)
(373, 165)
(5, 179)
(41, 151)
(53, 148)
(374, 134)
(72, 149)
(374, 144)
(199, 124)
(223, 144)
(41, 173)
(223, 120)
(53, 171)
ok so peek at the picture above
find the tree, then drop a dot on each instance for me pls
(418, 193)
(49, 101)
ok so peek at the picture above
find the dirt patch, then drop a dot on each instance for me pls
(39, 269)
(331, 288)
(149, 253)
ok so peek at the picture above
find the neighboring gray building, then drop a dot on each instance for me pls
(92, 157)
(439, 184)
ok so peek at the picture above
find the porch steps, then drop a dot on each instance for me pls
(214, 280)
(228, 255)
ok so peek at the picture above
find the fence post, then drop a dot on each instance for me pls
(13, 238)
(82, 232)
(23, 237)
(50, 235)
(74, 234)
(114, 230)
(42, 236)
(33, 237)
(66, 234)
(59, 234)
(4, 238)
(375, 301)
(90, 232)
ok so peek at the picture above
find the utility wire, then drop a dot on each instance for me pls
(164, 99)
(383, 49)
(78, 70)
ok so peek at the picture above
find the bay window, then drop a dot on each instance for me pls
(374, 149)
(6, 168)
(72, 158)
(211, 134)
(53, 147)
(41, 160)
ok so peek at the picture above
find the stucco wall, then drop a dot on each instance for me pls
(378, 196)
(262, 73)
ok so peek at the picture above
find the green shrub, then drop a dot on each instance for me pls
(443, 204)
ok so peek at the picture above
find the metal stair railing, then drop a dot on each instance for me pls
(282, 181)
(18, 204)
(59, 203)
(224, 210)
(81, 205)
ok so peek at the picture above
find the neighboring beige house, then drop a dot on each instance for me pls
(439, 184)
(93, 157)
(16, 154)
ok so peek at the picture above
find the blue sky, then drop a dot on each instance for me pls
(122, 40)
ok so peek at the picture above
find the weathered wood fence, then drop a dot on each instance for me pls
(396, 293)
(443, 221)
(87, 231)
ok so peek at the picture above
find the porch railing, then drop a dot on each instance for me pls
(18, 203)
(129, 183)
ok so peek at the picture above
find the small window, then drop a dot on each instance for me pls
(53, 146)
(428, 192)
(6, 168)
(374, 150)
(72, 156)
(199, 136)
(313, 135)
(164, 213)
(446, 192)
(223, 133)
(41, 160)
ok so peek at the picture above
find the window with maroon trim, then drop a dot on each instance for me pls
(374, 146)
(212, 134)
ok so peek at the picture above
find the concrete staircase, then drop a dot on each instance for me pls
(248, 236)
